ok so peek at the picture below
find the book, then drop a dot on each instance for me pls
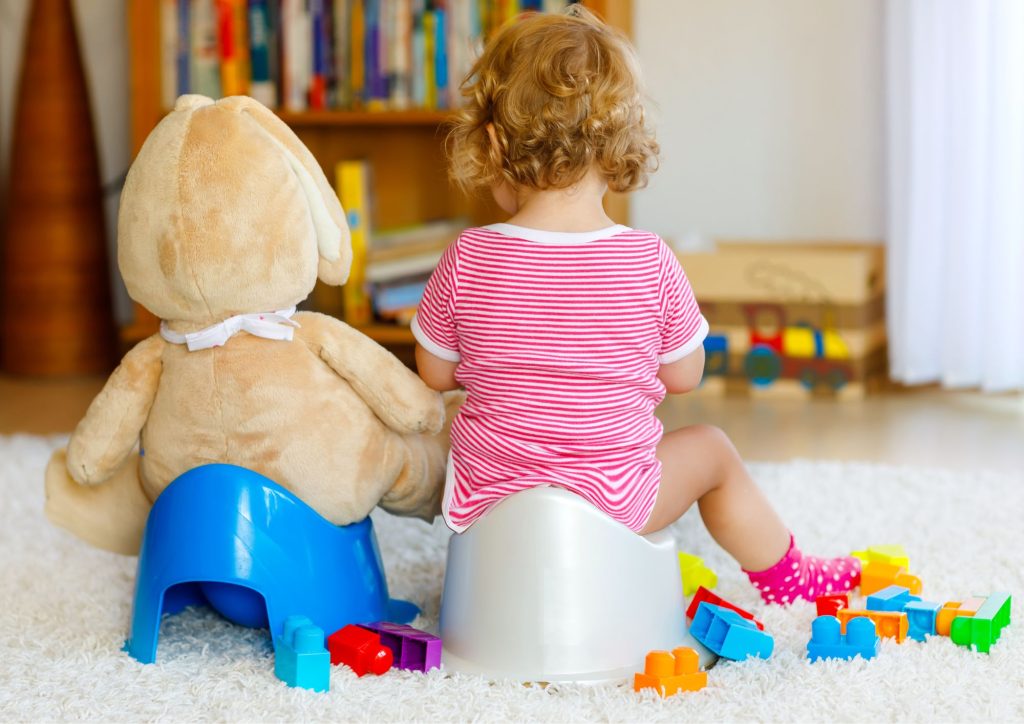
(205, 49)
(352, 184)
(233, 43)
(386, 270)
(296, 54)
(319, 77)
(170, 34)
(261, 86)
(404, 238)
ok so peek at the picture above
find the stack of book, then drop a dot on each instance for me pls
(329, 54)
(399, 263)
(390, 268)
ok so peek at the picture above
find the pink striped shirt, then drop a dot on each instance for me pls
(559, 337)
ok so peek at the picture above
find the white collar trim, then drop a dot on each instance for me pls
(270, 325)
(556, 237)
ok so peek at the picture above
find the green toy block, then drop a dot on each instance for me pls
(695, 574)
(893, 554)
(983, 628)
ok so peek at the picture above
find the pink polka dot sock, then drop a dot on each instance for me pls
(807, 577)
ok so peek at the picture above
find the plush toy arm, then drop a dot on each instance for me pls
(110, 429)
(394, 393)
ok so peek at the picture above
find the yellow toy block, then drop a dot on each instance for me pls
(877, 575)
(894, 554)
(669, 673)
(695, 574)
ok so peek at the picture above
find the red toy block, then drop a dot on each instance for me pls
(703, 595)
(829, 605)
(360, 650)
(669, 673)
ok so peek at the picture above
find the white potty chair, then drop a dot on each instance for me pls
(546, 587)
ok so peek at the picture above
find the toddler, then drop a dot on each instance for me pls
(567, 329)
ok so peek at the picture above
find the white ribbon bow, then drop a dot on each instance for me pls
(269, 325)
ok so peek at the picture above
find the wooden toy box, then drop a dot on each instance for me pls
(792, 318)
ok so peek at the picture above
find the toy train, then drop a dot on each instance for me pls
(777, 350)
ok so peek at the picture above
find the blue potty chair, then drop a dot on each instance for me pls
(230, 538)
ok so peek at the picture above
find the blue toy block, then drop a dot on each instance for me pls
(300, 658)
(728, 634)
(828, 643)
(921, 618)
(890, 598)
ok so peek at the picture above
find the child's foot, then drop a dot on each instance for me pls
(807, 577)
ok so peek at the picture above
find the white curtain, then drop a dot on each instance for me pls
(956, 192)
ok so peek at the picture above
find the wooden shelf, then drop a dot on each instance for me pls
(386, 334)
(405, 150)
(374, 119)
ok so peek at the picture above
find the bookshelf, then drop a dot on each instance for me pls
(404, 149)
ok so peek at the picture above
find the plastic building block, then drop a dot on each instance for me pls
(983, 628)
(828, 605)
(360, 650)
(877, 575)
(888, 624)
(412, 649)
(300, 658)
(695, 574)
(921, 618)
(704, 595)
(828, 641)
(951, 610)
(728, 634)
(669, 673)
(893, 554)
(890, 598)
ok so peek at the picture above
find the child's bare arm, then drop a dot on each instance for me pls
(437, 373)
(685, 374)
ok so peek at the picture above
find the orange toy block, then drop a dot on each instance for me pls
(669, 673)
(889, 624)
(877, 575)
(953, 609)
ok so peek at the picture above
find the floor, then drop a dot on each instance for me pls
(957, 430)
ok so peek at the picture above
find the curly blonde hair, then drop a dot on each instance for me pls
(563, 94)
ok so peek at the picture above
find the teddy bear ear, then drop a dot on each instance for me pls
(332, 232)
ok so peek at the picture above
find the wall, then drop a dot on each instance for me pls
(101, 34)
(770, 117)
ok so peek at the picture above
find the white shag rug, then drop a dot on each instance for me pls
(65, 608)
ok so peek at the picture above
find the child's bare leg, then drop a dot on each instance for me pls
(700, 464)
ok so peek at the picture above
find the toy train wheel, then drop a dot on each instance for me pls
(836, 378)
(808, 378)
(762, 365)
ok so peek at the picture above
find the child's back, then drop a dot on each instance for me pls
(559, 339)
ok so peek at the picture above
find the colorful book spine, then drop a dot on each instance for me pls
(352, 183)
(205, 66)
(261, 87)
(169, 35)
(342, 54)
(357, 51)
(429, 59)
(318, 80)
(182, 49)
(296, 54)
(441, 55)
(233, 44)
(418, 72)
